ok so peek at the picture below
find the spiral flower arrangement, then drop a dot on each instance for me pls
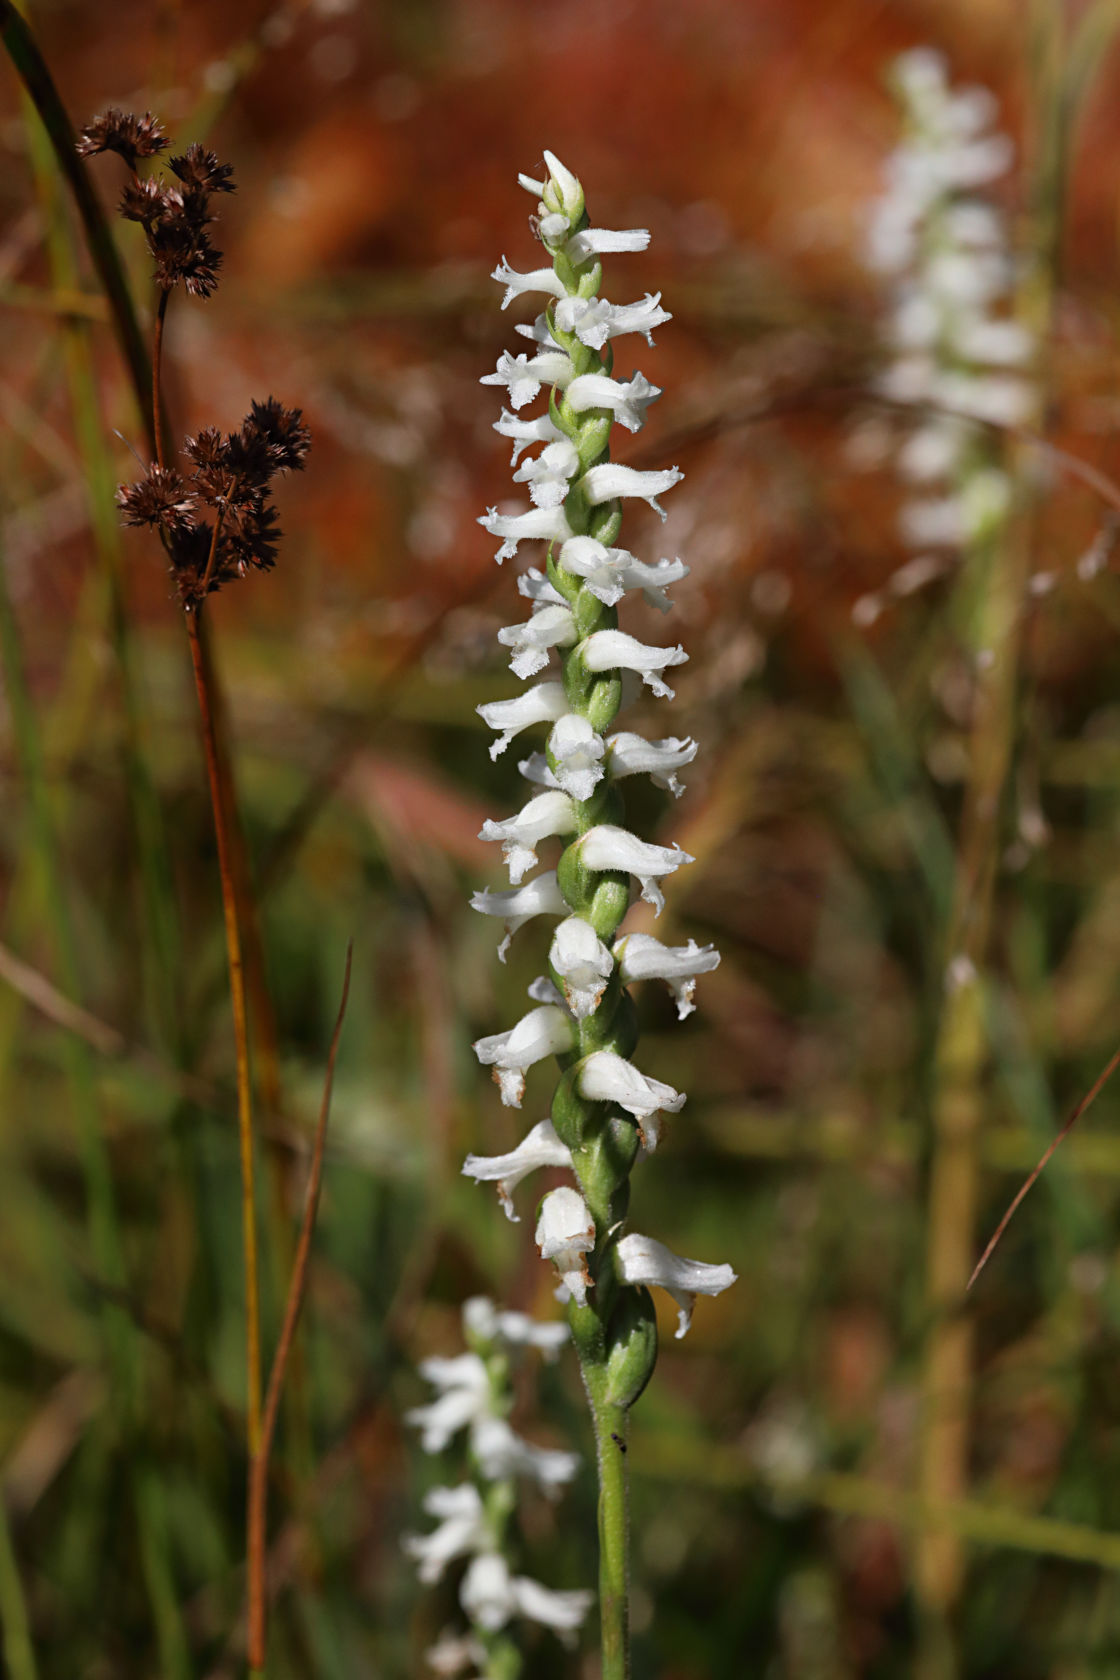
(605, 1111)
(954, 351)
(473, 1396)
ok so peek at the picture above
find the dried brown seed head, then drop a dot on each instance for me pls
(201, 170)
(159, 498)
(130, 136)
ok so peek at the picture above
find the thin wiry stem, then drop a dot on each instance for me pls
(258, 1473)
(157, 365)
(241, 1040)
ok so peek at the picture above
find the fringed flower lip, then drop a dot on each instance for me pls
(550, 813)
(546, 1031)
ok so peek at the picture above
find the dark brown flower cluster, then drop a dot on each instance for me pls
(232, 478)
(175, 218)
(122, 132)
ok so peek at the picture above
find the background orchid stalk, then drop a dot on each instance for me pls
(605, 1111)
(956, 352)
(473, 1394)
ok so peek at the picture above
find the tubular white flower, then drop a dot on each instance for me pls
(483, 1319)
(610, 572)
(462, 1529)
(641, 957)
(464, 1389)
(643, 1260)
(594, 320)
(632, 755)
(542, 704)
(546, 1031)
(552, 626)
(490, 1595)
(501, 1453)
(547, 814)
(606, 1077)
(524, 433)
(540, 1147)
(537, 280)
(565, 1234)
(608, 847)
(608, 480)
(596, 242)
(610, 650)
(539, 897)
(583, 963)
(578, 752)
(550, 473)
(563, 1612)
(523, 376)
(626, 400)
(514, 528)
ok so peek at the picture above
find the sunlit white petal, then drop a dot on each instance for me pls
(643, 1260)
(565, 1234)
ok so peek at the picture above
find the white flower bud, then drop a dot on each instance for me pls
(562, 193)
(538, 1148)
(547, 814)
(565, 1233)
(643, 1260)
(608, 847)
(583, 963)
(609, 650)
(641, 957)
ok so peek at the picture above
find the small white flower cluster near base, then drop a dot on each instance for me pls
(956, 353)
(577, 494)
(472, 1519)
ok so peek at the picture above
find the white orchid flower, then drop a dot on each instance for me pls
(540, 1147)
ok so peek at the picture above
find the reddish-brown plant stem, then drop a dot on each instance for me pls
(241, 1037)
(157, 362)
(258, 1470)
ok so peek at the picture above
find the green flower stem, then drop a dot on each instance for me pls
(603, 1144)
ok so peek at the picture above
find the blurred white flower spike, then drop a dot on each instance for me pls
(955, 353)
(473, 1518)
(606, 1111)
